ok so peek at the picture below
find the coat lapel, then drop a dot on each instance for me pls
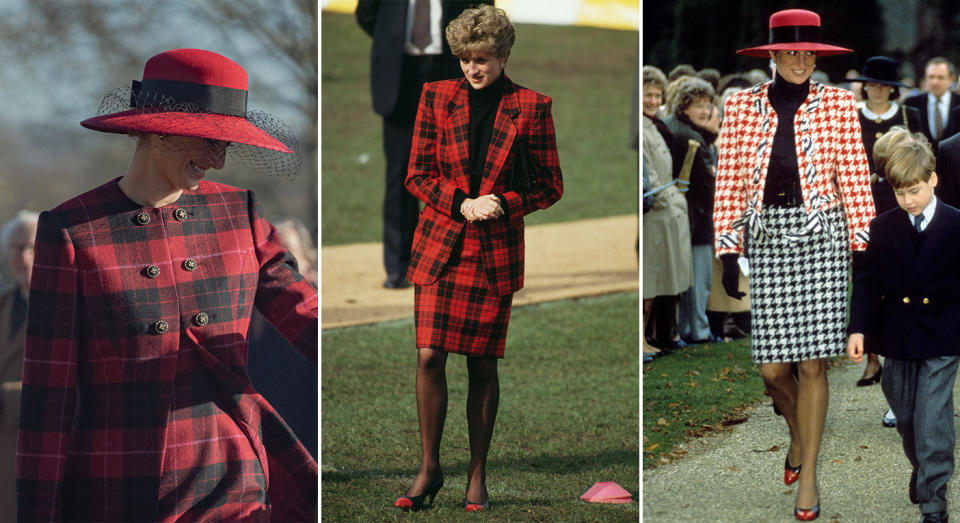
(903, 241)
(501, 141)
(931, 244)
(458, 136)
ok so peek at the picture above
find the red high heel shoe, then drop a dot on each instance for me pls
(807, 514)
(790, 474)
(415, 502)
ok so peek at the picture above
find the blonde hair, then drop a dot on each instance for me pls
(909, 161)
(884, 145)
(485, 29)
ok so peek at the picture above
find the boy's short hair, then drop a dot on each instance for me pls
(910, 162)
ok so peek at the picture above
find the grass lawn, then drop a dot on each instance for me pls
(589, 72)
(694, 392)
(567, 419)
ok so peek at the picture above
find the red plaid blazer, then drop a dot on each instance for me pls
(830, 156)
(440, 164)
(136, 404)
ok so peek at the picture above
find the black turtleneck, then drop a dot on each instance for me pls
(483, 112)
(782, 188)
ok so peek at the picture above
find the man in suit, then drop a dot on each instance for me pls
(948, 171)
(937, 118)
(409, 49)
(906, 298)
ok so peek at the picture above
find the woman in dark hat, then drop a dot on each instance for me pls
(136, 401)
(878, 113)
(470, 136)
(793, 195)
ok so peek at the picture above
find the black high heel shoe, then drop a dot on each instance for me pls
(415, 502)
(866, 382)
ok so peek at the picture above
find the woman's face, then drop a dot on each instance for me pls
(699, 112)
(795, 66)
(482, 69)
(877, 93)
(652, 98)
(185, 160)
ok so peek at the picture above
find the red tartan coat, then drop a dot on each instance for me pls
(440, 165)
(136, 404)
(833, 165)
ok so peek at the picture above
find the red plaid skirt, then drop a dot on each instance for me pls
(457, 313)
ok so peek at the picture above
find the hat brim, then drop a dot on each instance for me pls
(232, 129)
(763, 51)
(876, 81)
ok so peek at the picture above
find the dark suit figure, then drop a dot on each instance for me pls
(920, 102)
(906, 299)
(948, 171)
(398, 70)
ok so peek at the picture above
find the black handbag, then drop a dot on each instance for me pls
(525, 169)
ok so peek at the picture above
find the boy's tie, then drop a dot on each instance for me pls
(918, 223)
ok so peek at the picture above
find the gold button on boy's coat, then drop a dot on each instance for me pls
(143, 218)
(926, 301)
(906, 299)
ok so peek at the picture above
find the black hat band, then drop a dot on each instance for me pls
(794, 33)
(209, 98)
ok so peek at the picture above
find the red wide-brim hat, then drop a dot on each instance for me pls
(190, 92)
(794, 30)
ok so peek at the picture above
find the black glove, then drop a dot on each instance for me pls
(731, 276)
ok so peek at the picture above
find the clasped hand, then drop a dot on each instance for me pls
(486, 207)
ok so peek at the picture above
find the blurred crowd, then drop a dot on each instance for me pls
(683, 300)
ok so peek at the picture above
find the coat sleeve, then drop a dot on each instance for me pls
(366, 14)
(49, 395)
(543, 150)
(730, 199)
(853, 174)
(424, 179)
(865, 296)
(285, 298)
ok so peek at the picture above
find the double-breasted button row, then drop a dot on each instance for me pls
(199, 319)
(925, 301)
(143, 217)
(152, 271)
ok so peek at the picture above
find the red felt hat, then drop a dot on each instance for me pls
(794, 30)
(189, 92)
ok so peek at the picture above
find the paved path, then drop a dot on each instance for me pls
(732, 476)
(565, 260)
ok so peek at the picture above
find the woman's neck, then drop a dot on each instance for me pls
(145, 184)
(878, 108)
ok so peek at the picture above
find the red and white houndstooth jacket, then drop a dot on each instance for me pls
(830, 155)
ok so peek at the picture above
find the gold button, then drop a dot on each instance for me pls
(201, 319)
(153, 271)
(180, 214)
(160, 327)
(926, 301)
(906, 299)
(143, 218)
(879, 134)
(189, 264)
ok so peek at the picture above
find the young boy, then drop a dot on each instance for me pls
(906, 302)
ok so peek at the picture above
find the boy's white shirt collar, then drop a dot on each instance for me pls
(927, 213)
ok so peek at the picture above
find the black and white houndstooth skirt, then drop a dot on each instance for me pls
(798, 288)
